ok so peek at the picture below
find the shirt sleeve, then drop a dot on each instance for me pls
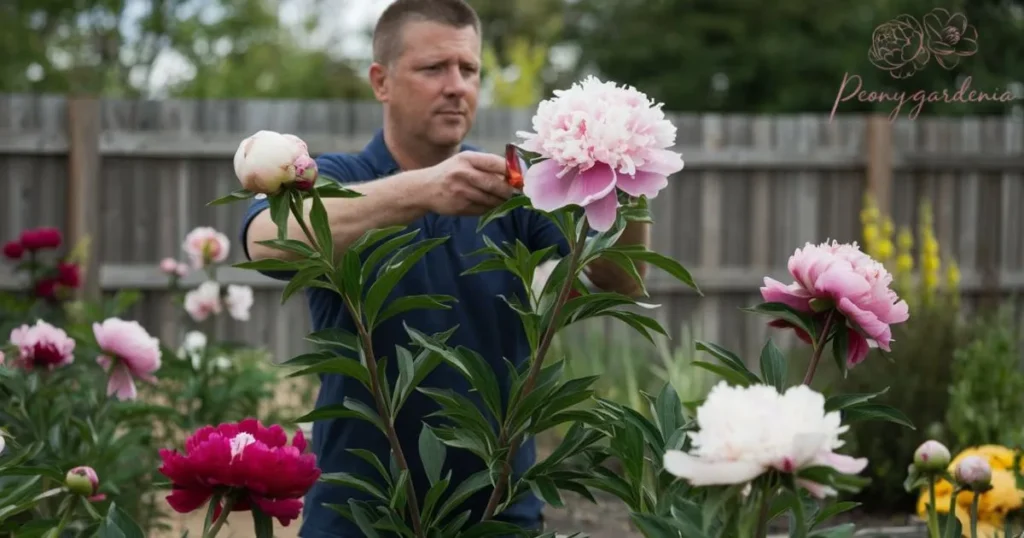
(327, 165)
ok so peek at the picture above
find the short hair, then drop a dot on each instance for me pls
(387, 35)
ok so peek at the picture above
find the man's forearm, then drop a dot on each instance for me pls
(392, 201)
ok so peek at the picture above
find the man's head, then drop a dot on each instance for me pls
(426, 69)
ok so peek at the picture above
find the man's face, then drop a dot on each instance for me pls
(431, 89)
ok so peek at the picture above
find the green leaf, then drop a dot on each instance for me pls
(392, 272)
(773, 366)
(240, 194)
(361, 513)
(876, 411)
(374, 236)
(340, 366)
(280, 209)
(355, 482)
(729, 360)
(382, 251)
(842, 401)
(668, 410)
(510, 205)
(471, 365)
(785, 313)
(321, 225)
(293, 246)
(309, 277)
(432, 452)
(334, 337)
(348, 409)
(833, 510)
(272, 264)
(415, 302)
(118, 524)
(545, 489)
(670, 266)
(333, 189)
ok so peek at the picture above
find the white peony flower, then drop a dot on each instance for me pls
(203, 301)
(238, 301)
(748, 431)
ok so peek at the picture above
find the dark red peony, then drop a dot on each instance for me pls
(250, 463)
(13, 250)
(41, 238)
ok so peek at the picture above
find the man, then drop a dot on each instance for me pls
(417, 172)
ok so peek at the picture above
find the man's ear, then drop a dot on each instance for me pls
(379, 81)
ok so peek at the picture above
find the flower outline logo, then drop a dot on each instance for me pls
(903, 46)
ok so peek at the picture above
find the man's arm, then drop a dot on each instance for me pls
(391, 201)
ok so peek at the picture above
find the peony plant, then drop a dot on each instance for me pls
(755, 449)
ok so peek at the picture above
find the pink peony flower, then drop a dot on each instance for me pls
(841, 276)
(239, 301)
(203, 301)
(252, 462)
(596, 138)
(268, 160)
(43, 346)
(129, 352)
(205, 245)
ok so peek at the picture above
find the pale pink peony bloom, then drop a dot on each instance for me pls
(745, 432)
(204, 301)
(598, 138)
(841, 275)
(43, 346)
(129, 353)
(182, 270)
(268, 160)
(205, 246)
(169, 266)
(239, 301)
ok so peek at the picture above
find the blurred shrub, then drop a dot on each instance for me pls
(918, 370)
(986, 398)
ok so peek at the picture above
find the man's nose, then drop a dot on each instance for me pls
(457, 82)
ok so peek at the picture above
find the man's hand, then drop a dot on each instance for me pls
(467, 184)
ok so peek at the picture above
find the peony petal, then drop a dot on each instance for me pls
(642, 183)
(857, 348)
(602, 212)
(662, 162)
(793, 296)
(592, 185)
(547, 191)
(121, 383)
(868, 322)
(840, 281)
(842, 463)
(703, 473)
(285, 510)
(184, 501)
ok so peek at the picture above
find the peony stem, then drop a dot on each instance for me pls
(762, 513)
(225, 511)
(933, 513)
(819, 348)
(531, 379)
(375, 382)
(974, 514)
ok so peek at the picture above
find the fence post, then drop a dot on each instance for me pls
(83, 197)
(880, 161)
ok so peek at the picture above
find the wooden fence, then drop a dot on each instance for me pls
(134, 176)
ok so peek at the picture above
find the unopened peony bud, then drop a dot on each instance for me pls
(169, 265)
(974, 472)
(931, 456)
(82, 481)
(268, 160)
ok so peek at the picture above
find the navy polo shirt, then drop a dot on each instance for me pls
(486, 324)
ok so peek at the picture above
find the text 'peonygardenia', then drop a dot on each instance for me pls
(597, 138)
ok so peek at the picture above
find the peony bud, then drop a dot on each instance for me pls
(169, 266)
(931, 456)
(268, 160)
(974, 473)
(13, 250)
(82, 481)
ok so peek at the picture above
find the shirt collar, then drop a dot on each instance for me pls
(376, 152)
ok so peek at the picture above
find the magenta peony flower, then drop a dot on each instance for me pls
(205, 245)
(43, 346)
(596, 138)
(253, 462)
(129, 353)
(841, 276)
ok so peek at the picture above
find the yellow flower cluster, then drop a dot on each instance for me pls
(993, 505)
(898, 257)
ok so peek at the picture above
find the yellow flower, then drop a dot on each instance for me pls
(993, 505)
(905, 240)
(884, 249)
(904, 263)
(887, 227)
(952, 275)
